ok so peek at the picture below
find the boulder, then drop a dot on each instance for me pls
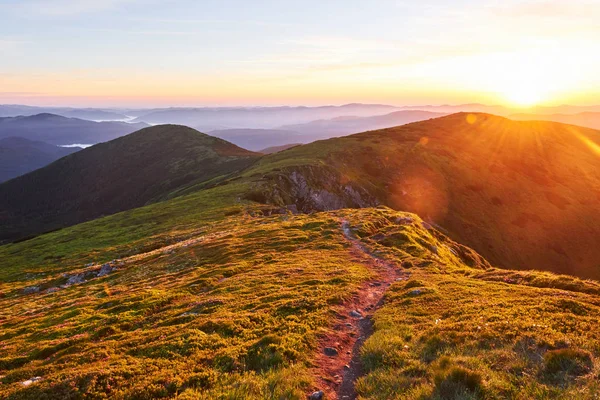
(318, 395)
(31, 290)
(330, 351)
(105, 270)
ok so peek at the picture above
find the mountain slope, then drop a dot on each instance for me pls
(523, 194)
(19, 156)
(59, 130)
(118, 175)
(204, 302)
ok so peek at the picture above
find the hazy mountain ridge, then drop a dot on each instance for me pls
(59, 130)
(277, 149)
(257, 117)
(19, 156)
(256, 139)
(345, 125)
(587, 119)
(92, 114)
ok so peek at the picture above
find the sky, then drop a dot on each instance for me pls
(236, 52)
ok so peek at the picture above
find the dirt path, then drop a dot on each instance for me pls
(338, 362)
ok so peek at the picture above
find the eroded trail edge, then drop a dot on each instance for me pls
(338, 362)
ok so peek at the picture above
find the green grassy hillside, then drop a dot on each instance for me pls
(228, 302)
(127, 172)
(524, 194)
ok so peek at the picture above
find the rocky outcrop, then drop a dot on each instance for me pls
(311, 188)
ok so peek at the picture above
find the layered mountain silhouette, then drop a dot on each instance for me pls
(19, 156)
(257, 139)
(93, 114)
(58, 130)
(118, 175)
(587, 119)
(277, 149)
(340, 126)
(257, 117)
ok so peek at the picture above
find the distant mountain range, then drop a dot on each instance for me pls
(257, 139)
(92, 114)
(258, 117)
(277, 149)
(19, 156)
(340, 126)
(586, 119)
(502, 110)
(59, 130)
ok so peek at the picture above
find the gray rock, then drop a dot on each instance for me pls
(318, 395)
(31, 290)
(75, 279)
(330, 351)
(404, 220)
(105, 270)
(415, 292)
(355, 314)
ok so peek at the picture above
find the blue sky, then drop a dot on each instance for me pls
(134, 52)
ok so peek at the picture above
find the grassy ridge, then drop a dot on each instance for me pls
(523, 194)
(234, 308)
(237, 311)
(452, 332)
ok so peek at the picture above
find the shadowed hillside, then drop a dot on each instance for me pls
(118, 175)
(19, 156)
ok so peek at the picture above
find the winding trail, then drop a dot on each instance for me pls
(338, 363)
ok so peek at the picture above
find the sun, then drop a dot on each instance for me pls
(524, 97)
(524, 91)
